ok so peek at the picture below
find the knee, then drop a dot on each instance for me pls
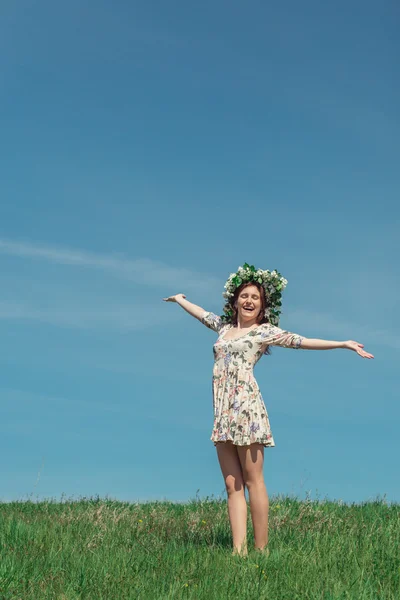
(255, 483)
(234, 485)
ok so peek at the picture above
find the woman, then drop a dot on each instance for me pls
(241, 425)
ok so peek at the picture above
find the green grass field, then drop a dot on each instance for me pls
(98, 549)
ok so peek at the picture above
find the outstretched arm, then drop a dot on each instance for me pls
(316, 344)
(192, 309)
(274, 336)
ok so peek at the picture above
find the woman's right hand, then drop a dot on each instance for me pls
(174, 298)
(192, 309)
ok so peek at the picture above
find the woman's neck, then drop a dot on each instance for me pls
(246, 324)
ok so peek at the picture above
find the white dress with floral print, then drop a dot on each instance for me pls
(240, 414)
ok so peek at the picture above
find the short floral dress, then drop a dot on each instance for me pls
(240, 414)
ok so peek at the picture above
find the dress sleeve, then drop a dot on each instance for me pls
(274, 336)
(212, 321)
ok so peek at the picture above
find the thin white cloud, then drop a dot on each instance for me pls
(155, 273)
(114, 317)
(71, 302)
(143, 270)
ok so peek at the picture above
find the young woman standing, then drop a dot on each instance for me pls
(241, 425)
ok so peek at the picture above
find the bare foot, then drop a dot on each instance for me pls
(263, 551)
(237, 552)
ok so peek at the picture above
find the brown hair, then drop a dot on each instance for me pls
(261, 318)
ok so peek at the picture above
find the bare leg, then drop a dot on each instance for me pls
(252, 460)
(237, 505)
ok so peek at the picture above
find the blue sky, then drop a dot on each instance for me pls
(150, 149)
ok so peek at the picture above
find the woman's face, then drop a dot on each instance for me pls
(249, 303)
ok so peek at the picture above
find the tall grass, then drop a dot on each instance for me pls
(97, 549)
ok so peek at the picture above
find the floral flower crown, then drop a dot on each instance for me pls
(272, 282)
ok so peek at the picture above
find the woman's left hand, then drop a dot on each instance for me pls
(351, 345)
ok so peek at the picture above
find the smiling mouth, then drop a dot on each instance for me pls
(248, 308)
